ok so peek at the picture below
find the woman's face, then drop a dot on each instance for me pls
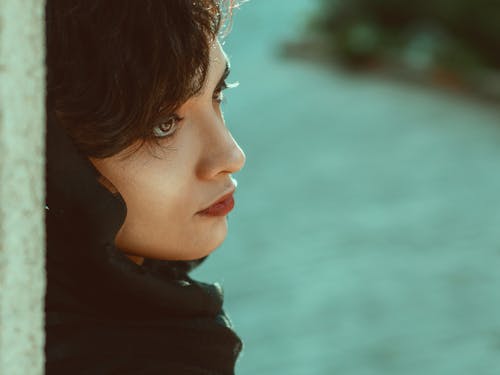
(165, 187)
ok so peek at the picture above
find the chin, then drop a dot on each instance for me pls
(185, 254)
(192, 252)
(203, 249)
(205, 244)
(193, 246)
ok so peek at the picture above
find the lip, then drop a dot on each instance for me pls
(221, 206)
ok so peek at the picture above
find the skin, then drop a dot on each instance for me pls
(164, 187)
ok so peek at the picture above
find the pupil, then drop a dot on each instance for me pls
(167, 125)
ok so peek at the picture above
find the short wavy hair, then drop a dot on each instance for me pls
(115, 66)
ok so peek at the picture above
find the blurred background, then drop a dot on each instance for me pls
(365, 236)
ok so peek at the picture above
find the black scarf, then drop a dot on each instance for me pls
(104, 313)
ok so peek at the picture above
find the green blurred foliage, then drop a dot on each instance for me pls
(459, 34)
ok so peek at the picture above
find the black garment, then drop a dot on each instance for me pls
(104, 313)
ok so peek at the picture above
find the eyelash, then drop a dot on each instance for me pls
(219, 93)
(219, 98)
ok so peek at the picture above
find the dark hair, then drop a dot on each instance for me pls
(115, 66)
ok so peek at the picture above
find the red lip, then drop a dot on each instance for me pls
(220, 207)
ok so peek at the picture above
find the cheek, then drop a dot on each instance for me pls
(153, 198)
(149, 211)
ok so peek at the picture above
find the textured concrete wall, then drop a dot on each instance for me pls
(22, 282)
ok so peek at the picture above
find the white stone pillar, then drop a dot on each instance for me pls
(22, 233)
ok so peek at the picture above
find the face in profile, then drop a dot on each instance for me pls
(165, 185)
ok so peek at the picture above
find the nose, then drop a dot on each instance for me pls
(221, 152)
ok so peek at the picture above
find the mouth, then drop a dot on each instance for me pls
(221, 206)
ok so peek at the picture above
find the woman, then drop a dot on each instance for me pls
(139, 185)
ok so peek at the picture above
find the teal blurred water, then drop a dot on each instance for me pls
(365, 234)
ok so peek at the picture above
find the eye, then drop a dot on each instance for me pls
(167, 128)
(219, 94)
